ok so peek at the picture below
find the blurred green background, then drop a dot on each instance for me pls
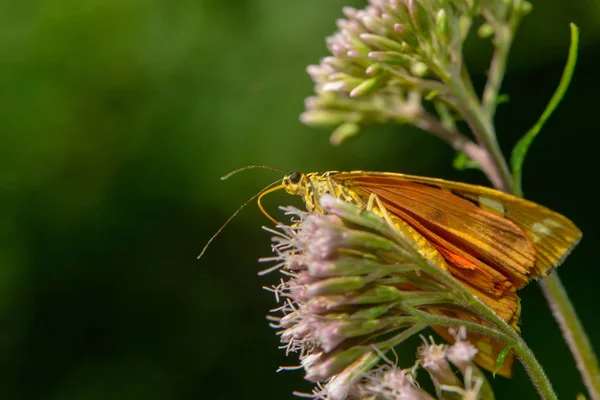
(119, 116)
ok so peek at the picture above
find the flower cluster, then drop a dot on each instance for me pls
(353, 290)
(388, 56)
(388, 382)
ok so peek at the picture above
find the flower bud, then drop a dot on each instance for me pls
(441, 22)
(485, 30)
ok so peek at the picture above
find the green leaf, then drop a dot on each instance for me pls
(502, 98)
(462, 162)
(448, 120)
(501, 358)
(431, 95)
(520, 150)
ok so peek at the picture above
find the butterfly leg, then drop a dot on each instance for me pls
(330, 187)
(374, 200)
(340, 192)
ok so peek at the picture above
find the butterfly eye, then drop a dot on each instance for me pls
(295, 177)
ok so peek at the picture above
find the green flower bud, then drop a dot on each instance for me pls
(366, 87)
(391, 57)
(344, 132)
(485, 30)
(441, 22)
(419, 16)
(526, 8)
(406, 34)
(419, 69)
(327, 117)
(380, 42)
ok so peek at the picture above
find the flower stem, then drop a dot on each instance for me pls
(389, 344)
(496, 74)
(573, 332)
(504, 34)
(459, 142)
(525, 355)
(484, 131)
(534, 369)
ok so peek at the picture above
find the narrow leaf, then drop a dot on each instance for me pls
(462, 162)
(520, 150)
(502, 98)
(501, 358)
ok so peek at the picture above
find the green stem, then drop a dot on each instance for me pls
(484, 132)
(534, 369)
(389, 344)
(524, 354)
(458, 141)
(503, 38)
(573, 332)
(497, 70)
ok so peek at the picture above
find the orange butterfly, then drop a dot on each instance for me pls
(490, 241)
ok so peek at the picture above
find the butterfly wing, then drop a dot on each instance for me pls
(552, 235)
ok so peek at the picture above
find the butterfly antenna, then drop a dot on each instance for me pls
(259, 195)
(235, 171)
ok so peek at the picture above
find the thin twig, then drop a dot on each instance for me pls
(461, 143)
(504, 33)
(485, 133)
(496, 74)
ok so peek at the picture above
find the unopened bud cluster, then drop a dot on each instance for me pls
(387, 57)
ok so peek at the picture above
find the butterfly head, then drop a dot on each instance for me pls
(295, 183)
(310, 187)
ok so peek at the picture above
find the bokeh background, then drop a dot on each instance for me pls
(117, 119)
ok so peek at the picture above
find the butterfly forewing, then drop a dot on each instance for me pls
(460, 229)
(552, 235)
